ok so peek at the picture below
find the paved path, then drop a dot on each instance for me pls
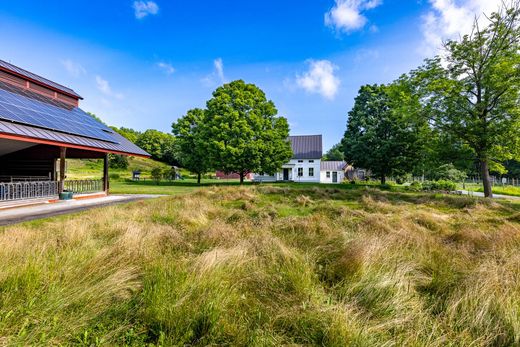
(481, 195)
(27, 213)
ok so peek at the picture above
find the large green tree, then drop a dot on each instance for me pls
(472, 91)
(192, 143)
(161, 146)
(243, 132)
(381, 136)
(335, 153)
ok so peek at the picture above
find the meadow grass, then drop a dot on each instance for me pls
(267, 266)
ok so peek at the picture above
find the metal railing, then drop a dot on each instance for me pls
(83, 186)
(28, 190)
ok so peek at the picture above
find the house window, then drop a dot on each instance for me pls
(311, 172)
(328, 174)
(311, 161)
(300, 161)
(300, 171)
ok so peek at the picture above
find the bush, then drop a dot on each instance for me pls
(118, 161)
(114, 176)
(415, 186)
(448, 172)
(439, 185)
(156, 174)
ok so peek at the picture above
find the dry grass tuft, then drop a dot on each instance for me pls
(267, 265)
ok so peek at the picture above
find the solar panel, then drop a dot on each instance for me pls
(35, 77)
(23, 109)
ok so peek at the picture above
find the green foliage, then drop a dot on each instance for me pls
(444, 185)
(473, 94)
(335, 153)
(161, 146)
(192, 142)
(157, 174)
(117, 161)
(450, 173)
(380, 136)
(243, 132)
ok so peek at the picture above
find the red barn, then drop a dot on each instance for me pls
(41, 125)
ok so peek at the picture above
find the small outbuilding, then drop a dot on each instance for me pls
(332, 171)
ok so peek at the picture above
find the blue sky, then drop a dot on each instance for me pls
(143, 64)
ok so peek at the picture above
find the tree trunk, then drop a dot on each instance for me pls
(198, 178)
(486, 179)
(383, 179)
(241, 178)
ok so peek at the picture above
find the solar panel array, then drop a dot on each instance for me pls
(35, 77)
(25, 110)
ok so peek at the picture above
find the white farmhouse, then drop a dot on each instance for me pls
(305, 163)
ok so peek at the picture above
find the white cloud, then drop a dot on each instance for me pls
(219, 69)
(73, 68)
(217, 76)
(104, 87)
(450, 19)
(347, 15)
(320, 79)
(145, 8)
(166, 67)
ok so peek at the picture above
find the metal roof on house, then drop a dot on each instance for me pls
(30, 119)
(38, 79)
(332, 165)
(306, 146)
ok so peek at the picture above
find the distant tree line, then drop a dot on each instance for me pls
(458, 111)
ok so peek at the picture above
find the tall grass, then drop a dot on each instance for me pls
(267, 266)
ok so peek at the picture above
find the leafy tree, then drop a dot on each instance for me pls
(243, 132)
(335, 153)
(118, 161)
(157, 174)
(472, 92)
(380, 135)
(158, 144)
(192, 143)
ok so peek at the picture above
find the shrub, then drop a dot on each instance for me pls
(156, 174)
(118, 161)
(415, 186)
(439, 185)
(114, 176)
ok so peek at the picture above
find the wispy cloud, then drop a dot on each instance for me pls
(217, 76)
(166, 67)
(320, 79)
(104, 87)
(219, 69)
(73, 68)
(348, 15)
(449, 19)
(145, 8)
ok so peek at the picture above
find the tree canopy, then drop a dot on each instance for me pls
(471, 92)
(192, 143)
(380, 137)
(243, 132)
(335, 153)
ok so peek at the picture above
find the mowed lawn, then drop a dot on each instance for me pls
(267, 266)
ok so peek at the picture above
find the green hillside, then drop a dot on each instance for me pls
(93, 168)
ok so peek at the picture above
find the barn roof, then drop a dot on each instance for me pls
(306, 146)
(31, 117)
(332, 165)
(5, 66)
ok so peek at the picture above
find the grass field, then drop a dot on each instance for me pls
(267, 266)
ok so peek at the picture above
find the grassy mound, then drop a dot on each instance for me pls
(267, 266)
